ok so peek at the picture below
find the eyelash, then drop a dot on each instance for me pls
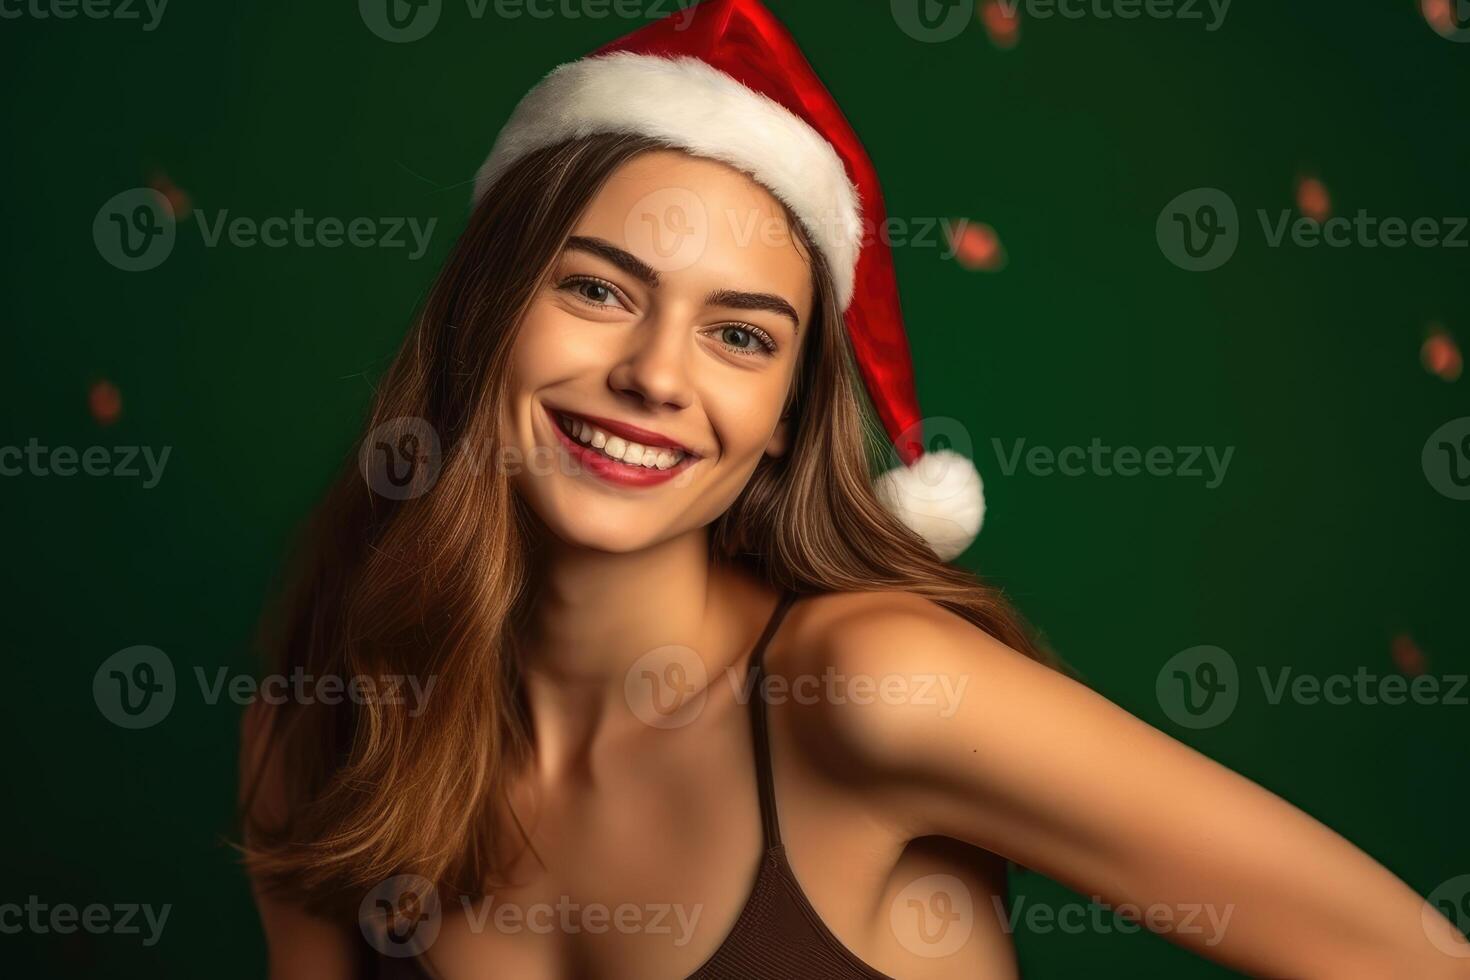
(571, 283)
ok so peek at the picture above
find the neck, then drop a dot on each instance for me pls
(595, 614)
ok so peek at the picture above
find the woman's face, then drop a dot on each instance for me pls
(652, 370)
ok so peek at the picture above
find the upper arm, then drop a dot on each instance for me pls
(983, 744)
(301, 946)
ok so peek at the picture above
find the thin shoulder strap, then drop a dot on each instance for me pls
(770, 826)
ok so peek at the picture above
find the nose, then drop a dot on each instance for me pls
(654, 368)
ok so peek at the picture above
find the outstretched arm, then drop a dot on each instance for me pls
(1037, 767)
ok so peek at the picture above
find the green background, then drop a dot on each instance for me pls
(255, 366)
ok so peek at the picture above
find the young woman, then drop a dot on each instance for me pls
(694, 702)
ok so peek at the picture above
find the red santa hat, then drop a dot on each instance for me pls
(725, 80)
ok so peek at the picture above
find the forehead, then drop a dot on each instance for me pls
(701, 223)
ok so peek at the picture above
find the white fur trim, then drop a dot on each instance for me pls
(940, 497)
(693, 105)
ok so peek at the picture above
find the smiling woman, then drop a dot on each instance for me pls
(622, 770)
(709, 456)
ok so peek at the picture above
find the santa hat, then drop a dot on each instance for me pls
(725, 80)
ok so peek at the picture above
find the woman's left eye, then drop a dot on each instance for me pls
(593, 292)
(745, 339)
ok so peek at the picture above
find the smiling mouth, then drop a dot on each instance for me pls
(616, 448)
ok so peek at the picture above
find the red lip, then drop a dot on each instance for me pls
(630, 432)
(611, 470)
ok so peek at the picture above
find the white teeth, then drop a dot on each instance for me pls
(615, 447)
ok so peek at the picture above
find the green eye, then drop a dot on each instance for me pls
(746, 339)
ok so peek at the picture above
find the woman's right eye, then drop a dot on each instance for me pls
(593, 292)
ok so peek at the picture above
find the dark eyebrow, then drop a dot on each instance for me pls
(625, 260)
(769, 302)
(640, 270)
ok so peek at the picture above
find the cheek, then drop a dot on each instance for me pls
(744, 411)
(553, 349)
(554, 345)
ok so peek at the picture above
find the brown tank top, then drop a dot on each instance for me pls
(778, 935)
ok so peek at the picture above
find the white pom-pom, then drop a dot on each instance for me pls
(940, 497)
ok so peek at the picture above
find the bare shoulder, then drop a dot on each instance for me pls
(891, 678)
(868, 624)
(892, 634)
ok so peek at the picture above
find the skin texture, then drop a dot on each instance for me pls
(874, 798)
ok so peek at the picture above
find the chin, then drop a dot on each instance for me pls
(587, 520)
(588, 529)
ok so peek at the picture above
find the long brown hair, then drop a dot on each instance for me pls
(436, 584)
